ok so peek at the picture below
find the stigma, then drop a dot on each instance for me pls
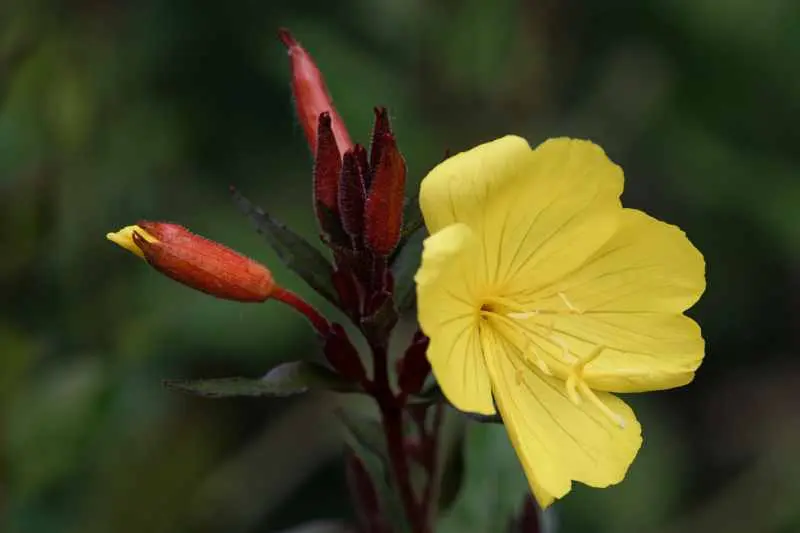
(536, 327)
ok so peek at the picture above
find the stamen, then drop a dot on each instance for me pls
(572, 388)
(590, 394)
(522, 316)
(577, 387)
(530, 348)
(538, 360)
(565, 353)
(569, 305)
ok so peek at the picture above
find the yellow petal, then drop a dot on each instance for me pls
(449, 315)
(457, 361)
(557, 441)
(648, 266)
(538, 214)
(459, 188)
(564, 209)
(124, 238)
(641, 351)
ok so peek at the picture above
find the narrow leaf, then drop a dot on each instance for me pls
(287, 379)
(404, 266)
(412, 219)
(296, 253)
(494, 485)
(365, 437)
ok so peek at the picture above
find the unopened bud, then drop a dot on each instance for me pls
(414, 366)
(381, 128)
(352, 192)
(197, 262)
(311, 95)
(327, 170)
(383, 212)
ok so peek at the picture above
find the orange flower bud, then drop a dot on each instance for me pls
(311, 95)
(196, 262)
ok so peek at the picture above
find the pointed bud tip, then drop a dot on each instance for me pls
(286, 38)
(325, 119)
(126, 238)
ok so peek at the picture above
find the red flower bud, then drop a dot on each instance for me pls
(383, 212)
(327, 169)
(381, 128)
(196, 262)
(352, 192)
(311, 95)
(414, 366)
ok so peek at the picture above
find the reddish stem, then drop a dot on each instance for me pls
(432, 460)
(317, 320)
(392, 415)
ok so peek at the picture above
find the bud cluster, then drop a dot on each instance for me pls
(358, 199)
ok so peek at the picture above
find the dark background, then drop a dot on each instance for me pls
(115, 111)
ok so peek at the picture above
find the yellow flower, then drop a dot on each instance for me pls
(542, 295)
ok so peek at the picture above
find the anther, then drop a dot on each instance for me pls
(522, 316)
(576, 387)
(538, 360)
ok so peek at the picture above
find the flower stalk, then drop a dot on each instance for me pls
(294, 301)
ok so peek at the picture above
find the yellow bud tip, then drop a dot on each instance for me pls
(124, 238)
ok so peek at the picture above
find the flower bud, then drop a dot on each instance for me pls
(311, 95)
(380, 130)
(352, 192)
(383, 212)
(327, 170)
(414, 366)
(196, 262)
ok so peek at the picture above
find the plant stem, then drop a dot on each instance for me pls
(432, 460)
(291, 299)
(392, 415)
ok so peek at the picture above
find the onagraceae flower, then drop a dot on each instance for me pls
(197, 262)
(541, 296)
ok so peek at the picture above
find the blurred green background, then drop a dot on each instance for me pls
(115, 111)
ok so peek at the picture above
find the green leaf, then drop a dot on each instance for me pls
(404, 267)
(287, 379)
(485, 419)
(365, 437)
(428, 396)
(295, 252)
(494, 484)
(412, 219)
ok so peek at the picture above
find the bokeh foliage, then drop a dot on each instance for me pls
(115, 111)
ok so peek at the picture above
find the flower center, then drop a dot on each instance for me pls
(564, 364)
